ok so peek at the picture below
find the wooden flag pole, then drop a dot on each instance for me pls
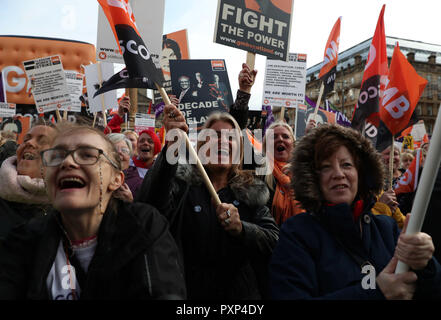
(193, 154)
(282, 113)
(94, 120)
(251, 60)
(391, 164)
(65, 114)
(100, 78)
(57, 112)
(319, 100)
(425, 187)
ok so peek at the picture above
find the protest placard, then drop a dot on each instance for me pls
(96, 74)
(74, 82)
(48, 83)
(304, 114)
(202, 87)
(149, 17)
(284, 84)
(144, 121)
(174, 47)
(262, 27)
(7, 110)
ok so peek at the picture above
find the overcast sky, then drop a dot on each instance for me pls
(312, 22)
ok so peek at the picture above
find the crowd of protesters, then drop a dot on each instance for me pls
(103, 214)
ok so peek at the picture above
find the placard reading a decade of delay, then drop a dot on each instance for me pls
(285, 82)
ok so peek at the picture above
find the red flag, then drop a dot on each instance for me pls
(403, 90)
(329, 67)
(375, 72)
(409, 181)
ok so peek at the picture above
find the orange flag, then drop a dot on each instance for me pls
(409, 181)
(330, 60)
(403, 90)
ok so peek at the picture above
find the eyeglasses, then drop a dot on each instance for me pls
(124, 150)
(84, 156)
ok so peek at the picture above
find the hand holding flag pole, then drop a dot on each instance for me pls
(193, 153)
(425, 187)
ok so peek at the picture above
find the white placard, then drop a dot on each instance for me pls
(48, 83)
(285, 82)
(74, 82)
(7, 110)
(418, 131)
(149, 17)
(93, 84)
(144, 121)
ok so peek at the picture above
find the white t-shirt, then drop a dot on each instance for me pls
(61, 281)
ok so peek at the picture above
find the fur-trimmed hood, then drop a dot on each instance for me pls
(254, 194)
(305, 179)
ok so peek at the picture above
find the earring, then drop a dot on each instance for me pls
(101, 190)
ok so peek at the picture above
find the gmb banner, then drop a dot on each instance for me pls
(262, 27)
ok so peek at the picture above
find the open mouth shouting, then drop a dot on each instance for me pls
(71, 182)
(30, 155)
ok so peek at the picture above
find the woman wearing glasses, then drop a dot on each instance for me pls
(91, 246)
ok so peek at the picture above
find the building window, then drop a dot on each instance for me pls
(429, 110)
(429, 128)
(439, 88)
(429, 87)
(418, 110)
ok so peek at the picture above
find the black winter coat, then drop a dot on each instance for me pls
(310, 263)
(216, 264)
(135, 258)
(14, 213)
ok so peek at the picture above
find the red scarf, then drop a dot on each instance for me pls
(141, 164)
(356, 211)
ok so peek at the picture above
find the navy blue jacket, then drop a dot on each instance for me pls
(309, 263)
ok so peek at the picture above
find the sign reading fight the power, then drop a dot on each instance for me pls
(262, 27)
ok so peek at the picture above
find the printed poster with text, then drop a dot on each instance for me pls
(7, 110)
(144, 121)
(259, 26)
(284, 84)
(74, 82)
(304, 114)
(48, 83)
(149, 17)
(174, 47)
(202, 87)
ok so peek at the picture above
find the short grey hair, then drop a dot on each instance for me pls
(117, 137)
